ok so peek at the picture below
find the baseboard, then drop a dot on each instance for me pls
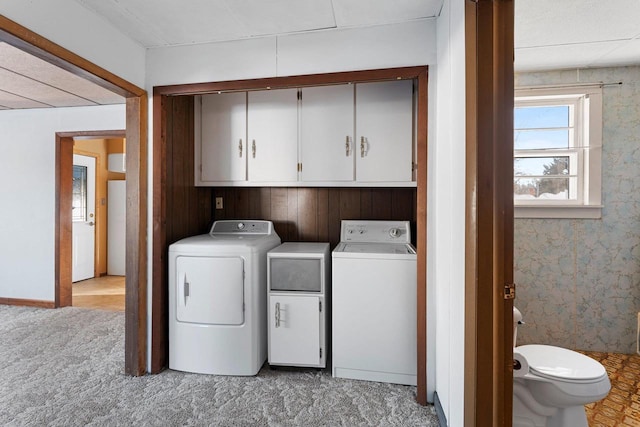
(442, 419)
(28, 302)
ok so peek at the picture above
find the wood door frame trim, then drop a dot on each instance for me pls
(420, 73)
(136, 221)
(488, 373)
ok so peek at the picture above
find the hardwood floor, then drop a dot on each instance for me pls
(106, 293)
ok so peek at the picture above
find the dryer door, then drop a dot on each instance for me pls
(209, 290)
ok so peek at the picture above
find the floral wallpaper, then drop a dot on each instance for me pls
(579, 279)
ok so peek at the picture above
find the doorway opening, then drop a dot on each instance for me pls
(91, 216)
(98, 223)
(136, 228)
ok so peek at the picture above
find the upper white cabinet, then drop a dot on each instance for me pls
(384, 131)
(272, 118)
(360, 134)
(326, 133)
(223, 148)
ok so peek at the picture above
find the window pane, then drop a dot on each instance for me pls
(540, 166)
(542, 188)
(536, 139)
(79, 201)
(541, 117)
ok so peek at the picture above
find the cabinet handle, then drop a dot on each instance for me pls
(347, 146)
(364, 146)
(253, 148)
(240, 147)
(277, 315)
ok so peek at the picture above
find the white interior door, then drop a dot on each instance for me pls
(83, 217)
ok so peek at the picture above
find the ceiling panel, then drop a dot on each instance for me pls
(559, 22)
(365, 12)
(169, 22)
(258, 17)
(34, 90)
(9, 100)
(627, 53)
(22, 63)
(562, 56)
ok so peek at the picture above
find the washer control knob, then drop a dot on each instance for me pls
(394, 232)
(241, 226)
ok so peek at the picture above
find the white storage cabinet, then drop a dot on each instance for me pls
(326, 134)
(384, 131)
(272, 132)
(359, 134)
(297, 275)
(246, 137)
(362, 133)
(223, 138)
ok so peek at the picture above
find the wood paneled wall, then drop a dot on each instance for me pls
(314, 214)
(186, 209)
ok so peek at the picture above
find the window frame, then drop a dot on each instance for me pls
(586, 102)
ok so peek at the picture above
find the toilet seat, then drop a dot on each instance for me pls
(561, 364)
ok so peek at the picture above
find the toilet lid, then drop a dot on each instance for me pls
(560, 363)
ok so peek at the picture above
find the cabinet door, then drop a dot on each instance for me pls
(224, 137)
(273, 135)
(326, 133)
(294, 330)
(384, 131)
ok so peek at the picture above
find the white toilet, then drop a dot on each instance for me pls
(551, 385)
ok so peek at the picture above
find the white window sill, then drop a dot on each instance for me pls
(540, 211)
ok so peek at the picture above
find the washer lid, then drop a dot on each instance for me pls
(560, 363)
(379, 248)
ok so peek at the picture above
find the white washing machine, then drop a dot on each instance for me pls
(374, 303)
(218, 299)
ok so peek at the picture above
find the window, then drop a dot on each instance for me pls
(79, 201)
(557, 152)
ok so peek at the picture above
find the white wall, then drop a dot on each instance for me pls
(446, 214)
(67, 23)
(27, 192)
(383, 46)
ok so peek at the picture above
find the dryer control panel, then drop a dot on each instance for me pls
(375, 231)
(244, 227)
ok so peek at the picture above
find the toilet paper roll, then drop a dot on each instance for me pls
(520, 365)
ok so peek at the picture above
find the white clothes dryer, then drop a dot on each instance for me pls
(218, 299)
(374, 303)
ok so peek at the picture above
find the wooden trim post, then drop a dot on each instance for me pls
(489, 213)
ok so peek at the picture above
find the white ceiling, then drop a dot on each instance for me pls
(549, 34)
(560, 34)
(171, 22)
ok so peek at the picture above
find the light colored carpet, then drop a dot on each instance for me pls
(66, 367)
